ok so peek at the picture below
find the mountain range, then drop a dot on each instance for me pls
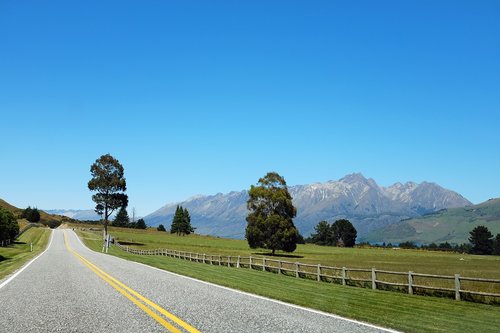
(366, 204)
(77, 214)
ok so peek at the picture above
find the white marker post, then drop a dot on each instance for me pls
(108, 240)
(31, 247)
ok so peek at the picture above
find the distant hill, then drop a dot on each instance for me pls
(447, 225)
(4, 204)
(77, 214)
(361, 200)
(45, 217)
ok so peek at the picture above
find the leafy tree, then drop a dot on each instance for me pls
(323, 235)
(161, 228)
(481, 240)
(109, 182)
(8, 225)
(31, 214)
(270, 221)
(121, 218)
(343, 233)
(141, 224)
(496, 248)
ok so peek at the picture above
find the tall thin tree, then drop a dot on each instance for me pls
(108, 181)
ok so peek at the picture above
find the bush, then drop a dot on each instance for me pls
(31, 214)
(161, 228)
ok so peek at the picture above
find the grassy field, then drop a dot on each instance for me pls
(17, 254)
(431, 262)
(389, 309)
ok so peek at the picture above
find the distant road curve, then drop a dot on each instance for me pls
(70, 288)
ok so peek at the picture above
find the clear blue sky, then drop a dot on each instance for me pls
(207, 96)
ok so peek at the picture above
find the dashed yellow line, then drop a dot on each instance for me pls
(135, 297)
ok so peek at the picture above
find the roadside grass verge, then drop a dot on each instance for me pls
(14, 256)
(388, 309)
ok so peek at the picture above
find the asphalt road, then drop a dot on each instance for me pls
(70, 288)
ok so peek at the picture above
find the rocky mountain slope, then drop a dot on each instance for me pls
(361, 200)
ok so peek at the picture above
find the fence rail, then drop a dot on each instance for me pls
(342, 275)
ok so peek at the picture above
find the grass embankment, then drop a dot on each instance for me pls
(14, 256)
(389, 309)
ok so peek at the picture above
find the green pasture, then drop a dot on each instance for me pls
(401, 260)
(14, 256)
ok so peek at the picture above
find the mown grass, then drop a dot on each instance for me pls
(420, 261)
(388, 309)
(14, 256)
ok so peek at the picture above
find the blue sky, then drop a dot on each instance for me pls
(207, 96)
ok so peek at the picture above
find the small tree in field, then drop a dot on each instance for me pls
(108, 181)
(323, 235)
(161, 228)
(344, 233)
(141, 224)
(270, 221)
(181, 223)
(121, 218)
(481, 240)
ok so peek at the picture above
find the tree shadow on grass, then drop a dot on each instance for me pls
(2, 258)
(130, 243)
(279, 255)
(16, 242)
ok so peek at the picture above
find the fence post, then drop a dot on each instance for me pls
(228, 261)
(410, 283)
(457, 287)
(263, 264)
(219, 261)
(297, 269)
(343, 275)
(374, 279)
(250, 265)
(319, 272)
(238, 262)
(203, 257)
(279, 269)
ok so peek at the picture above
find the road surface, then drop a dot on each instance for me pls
(70, 288)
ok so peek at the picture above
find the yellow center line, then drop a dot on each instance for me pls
(130, 293)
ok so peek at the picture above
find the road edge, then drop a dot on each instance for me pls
(20, 270)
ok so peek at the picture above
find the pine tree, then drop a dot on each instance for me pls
(161, 228)
(141, 224)
(175, 228)
(121, 218)
(481, 240)
(186, 227)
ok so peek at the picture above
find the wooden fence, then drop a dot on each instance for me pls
(410, 282)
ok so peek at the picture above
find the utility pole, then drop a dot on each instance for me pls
(133, 214)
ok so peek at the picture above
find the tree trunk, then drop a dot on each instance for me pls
(105, 221)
